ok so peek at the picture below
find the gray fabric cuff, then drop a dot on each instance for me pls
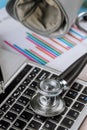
(46, 17)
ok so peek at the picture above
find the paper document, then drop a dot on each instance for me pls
(57, 53)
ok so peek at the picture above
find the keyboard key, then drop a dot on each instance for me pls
(5, 107)
(16, 94)
(61, 128)
(28, 108)
(17, 108)
(34, 125)
(85, 91)
(82, 98)
(40, 118)
(21, 88)
(34, 72)
(72, 94)
(4, 125)
(26, 82)
(19, 124)
(67, 122)
(26, 115)
(10, 101)
(33, 85)
(23, 100)
(68, 101)
(29, 93)
(49, 125)
(65, 110)
(56, 118)
(10, 116)
(21, 75)
(43, 75)
(73, 114)
(54, 76)
(27, 68)
(77, 87)
(78, 106)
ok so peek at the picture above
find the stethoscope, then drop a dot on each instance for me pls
(48, 101)
(82, 17)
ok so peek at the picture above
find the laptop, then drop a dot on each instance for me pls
(21, 78)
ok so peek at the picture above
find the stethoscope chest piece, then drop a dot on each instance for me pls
(47, 101)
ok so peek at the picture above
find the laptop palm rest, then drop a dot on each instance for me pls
(9, 63)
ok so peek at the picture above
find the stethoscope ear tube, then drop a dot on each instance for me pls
(81, 17)
(70, 74)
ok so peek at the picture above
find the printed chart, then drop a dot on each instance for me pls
(41, 49)
(35, 47)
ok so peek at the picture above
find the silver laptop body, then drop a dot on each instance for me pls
(21, 78)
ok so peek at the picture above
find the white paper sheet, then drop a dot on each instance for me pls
(55, 53)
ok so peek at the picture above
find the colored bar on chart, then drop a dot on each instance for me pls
(46, 49)
(44, 45)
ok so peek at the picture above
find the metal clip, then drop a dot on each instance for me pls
(81, 17)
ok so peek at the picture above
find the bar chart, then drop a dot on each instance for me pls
(42, 49)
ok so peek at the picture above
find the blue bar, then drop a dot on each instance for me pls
(71, 30)
(54, 52)
(66, 42)
(35, 57)
(28, 54)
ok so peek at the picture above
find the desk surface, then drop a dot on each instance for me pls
(84, 125)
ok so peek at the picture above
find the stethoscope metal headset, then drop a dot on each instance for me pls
(82, 17)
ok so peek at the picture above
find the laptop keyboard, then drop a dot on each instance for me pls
(15, 111)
